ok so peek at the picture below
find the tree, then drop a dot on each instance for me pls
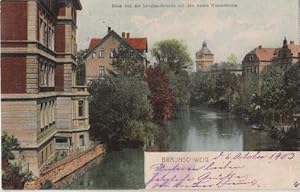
(160, 97)
(200, 89)
(13, 176)
(120, 110)
(81, 67)
(179, 84)
(172, 54)
(127, 62)
(273, 92)
(232, 58)
(174, 60)
(277, 101)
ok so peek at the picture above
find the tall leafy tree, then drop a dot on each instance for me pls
(172, 54)
(160, 97)
(173, 57)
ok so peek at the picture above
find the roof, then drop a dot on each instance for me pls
(204, 50)
(139, 44)
(295, 49)
(94, 42)
(264, 54)
(77, 4)
(136, 42)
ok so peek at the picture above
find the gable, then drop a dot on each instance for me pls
(97, 42)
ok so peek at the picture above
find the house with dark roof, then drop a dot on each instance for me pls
(101, 52)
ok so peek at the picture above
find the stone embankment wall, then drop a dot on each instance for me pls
(65, 168)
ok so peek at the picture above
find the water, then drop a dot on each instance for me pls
(192, 129)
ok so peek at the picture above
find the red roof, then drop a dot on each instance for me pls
(139, 44)
(265, 54)
(295, 49)
(94, 42)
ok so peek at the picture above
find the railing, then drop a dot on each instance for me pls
(62, 146)
(48, 130)
(79, 88)
(80, 121)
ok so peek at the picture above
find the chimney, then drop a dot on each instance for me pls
(108, 29)
(123, 35)
(292, 42)
(128, 35)
(260, 47)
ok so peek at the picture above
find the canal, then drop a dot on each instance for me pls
(192, 129)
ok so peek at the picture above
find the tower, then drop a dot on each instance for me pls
(204, 58)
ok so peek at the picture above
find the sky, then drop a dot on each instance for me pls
(227, 30)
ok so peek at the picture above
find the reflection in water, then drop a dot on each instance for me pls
(192, 129)
(118, 170)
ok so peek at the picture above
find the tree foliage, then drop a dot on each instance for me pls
(221, 89)
(172, 54)
(232, 58)
(173, 57)
(120, 109)
(277, 99)
(127, 62)
(160, 97)
(13, 175)
(81, 67)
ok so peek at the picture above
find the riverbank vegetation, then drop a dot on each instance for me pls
(267, 100)
(129, 104)
(219, 89)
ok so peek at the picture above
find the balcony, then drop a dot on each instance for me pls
(80, 122)
(79, 89)
(62, 146)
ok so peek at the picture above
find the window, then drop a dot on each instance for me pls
(42, 72)
(45, 37)
(101, 71)
(42, 156)
(61, 140)
(47, 74)
(80, 108)
(42, 118)
(41, 30)
(94, 54)
(101, 53)
(51, 38)
(46, 115)
(112, 53)
(81, 140)
(51, 149)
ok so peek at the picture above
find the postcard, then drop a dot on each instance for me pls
(150, 95)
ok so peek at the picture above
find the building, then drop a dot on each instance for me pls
(287, 55)
(41, 104)
(204, 58)
(260, 59)
(101, 52)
